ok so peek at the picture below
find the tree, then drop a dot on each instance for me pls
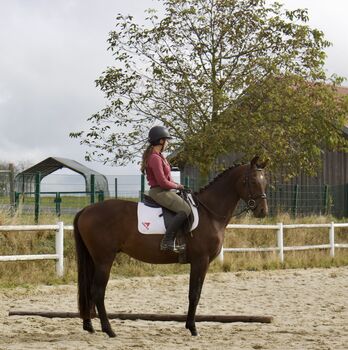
(223, 76)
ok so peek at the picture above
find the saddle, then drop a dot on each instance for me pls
(159, 218)
(154, 219)
(167, 214)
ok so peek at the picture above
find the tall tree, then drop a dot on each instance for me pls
(224, 76)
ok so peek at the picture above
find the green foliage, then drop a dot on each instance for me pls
(224, 76)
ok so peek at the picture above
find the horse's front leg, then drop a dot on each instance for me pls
(198, 271)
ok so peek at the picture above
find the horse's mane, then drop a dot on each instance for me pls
(217, 177)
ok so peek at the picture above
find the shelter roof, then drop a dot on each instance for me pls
(25, 180)
(52, 164)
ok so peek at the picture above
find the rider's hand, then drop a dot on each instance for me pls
(180, 187)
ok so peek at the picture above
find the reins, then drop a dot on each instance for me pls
(251, 204)
(224, 217)
(198, 202)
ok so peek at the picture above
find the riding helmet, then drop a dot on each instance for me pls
(157, 133)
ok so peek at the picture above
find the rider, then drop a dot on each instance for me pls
(157, 170)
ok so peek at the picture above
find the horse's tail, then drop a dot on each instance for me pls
(85, 271)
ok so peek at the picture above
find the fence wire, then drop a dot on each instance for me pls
(66, 194)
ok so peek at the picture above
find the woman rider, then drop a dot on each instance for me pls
(157, 170)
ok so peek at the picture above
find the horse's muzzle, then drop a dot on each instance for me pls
(261, 210)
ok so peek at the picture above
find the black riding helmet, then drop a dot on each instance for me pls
(157, 133)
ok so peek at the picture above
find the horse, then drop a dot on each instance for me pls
(104, 229)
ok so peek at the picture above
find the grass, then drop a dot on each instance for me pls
(292, 237)
(48, 204)
(38, 272)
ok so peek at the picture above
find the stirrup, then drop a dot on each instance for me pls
(178, 248)
(171, 246)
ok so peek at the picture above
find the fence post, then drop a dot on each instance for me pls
(221, 255)
(60, 249)
(295, 204)
(17, 194)
(280, 240)
(101, 196)
(92, 188)
(332, 239)
(142, 180)
(57, 201)
(12, 189)
(116, 192)
(37, 196)
(326, 199)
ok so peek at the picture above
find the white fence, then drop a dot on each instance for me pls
(280, 248)
(279, 228)
(59, 247)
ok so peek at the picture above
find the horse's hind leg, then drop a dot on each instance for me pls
(87, 325)
(101, 277)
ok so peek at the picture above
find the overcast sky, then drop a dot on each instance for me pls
(53, 50)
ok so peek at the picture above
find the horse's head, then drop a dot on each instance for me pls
(251, 187)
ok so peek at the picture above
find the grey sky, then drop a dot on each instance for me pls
(53, 50)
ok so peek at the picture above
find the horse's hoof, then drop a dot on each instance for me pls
(87, 326)
(110, 332)
(193, 330)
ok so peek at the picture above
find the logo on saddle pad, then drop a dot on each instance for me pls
(146, 225)
(150, 220)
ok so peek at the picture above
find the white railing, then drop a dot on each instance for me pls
(280, 248)
(59, 247)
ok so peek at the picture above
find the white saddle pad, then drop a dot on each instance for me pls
(150, 220)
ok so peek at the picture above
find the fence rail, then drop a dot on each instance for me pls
(279, 228)
(280, 248)
(59, 244)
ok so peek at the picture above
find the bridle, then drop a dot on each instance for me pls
(251, 204)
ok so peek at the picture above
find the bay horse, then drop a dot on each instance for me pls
(104, 229)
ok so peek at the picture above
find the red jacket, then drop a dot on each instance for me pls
(158, 172)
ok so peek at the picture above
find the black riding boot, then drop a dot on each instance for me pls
(168, 241)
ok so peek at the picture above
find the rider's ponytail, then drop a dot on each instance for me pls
(145, 158)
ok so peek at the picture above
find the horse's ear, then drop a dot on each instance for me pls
(254, 161)
(263, 164)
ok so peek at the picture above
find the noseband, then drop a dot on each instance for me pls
(252, 202)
